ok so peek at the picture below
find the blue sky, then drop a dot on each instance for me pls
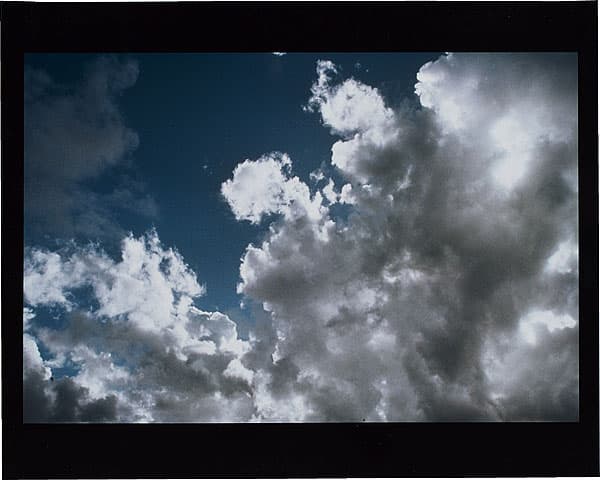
(324, 237)
(197, 116)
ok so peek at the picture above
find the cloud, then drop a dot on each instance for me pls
(47, 400)
(349, 107)
(140, 349)
(537, 377)
(265, 186)
(75, 134)
(458, 211)
(279, 54)
(511, 109)
(449, 292)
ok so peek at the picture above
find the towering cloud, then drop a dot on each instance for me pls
(419, 305)
(448, 292)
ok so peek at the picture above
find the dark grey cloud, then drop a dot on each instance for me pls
(74, 134)
(63, 401)
(48, 400)
(546, 386)
(37, 406)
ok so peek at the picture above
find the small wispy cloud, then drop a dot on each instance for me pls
(75, 134)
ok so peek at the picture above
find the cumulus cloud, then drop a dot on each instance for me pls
(348, 107)
(74, 134)
(449, 292)
(265, 186)
(464, 222)
(139, 348)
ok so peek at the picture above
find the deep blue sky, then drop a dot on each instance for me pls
(197, 117)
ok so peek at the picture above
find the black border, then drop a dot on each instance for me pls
(296, 450)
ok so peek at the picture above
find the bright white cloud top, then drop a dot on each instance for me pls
(450, 291)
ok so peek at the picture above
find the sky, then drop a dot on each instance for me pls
(275, 237)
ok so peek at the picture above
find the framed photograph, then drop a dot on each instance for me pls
(299, 239)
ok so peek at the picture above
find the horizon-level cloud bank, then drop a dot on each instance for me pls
(428, 272)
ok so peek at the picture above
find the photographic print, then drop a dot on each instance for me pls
(301, 237)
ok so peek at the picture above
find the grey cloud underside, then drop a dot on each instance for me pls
(63, 401)
(450, 293)
(75, 134)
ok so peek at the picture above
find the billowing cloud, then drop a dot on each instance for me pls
(463, 223)
(347, 108)
(265, 186)
(136, 344)
(74, 134)
(447, 291)
(46, 400)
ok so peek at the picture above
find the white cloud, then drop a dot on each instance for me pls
(98, 373)
(147, 285)
(350, 107)
(28, 315)
(530, 323)
(45, 278)
(265, 186)
(143, 345)
(506, 110)
(235, 369)
(564, 259)
(257, 187)
(32, 360)
(346, 194)
(317, 175)
(329, 192)
(358, 113)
